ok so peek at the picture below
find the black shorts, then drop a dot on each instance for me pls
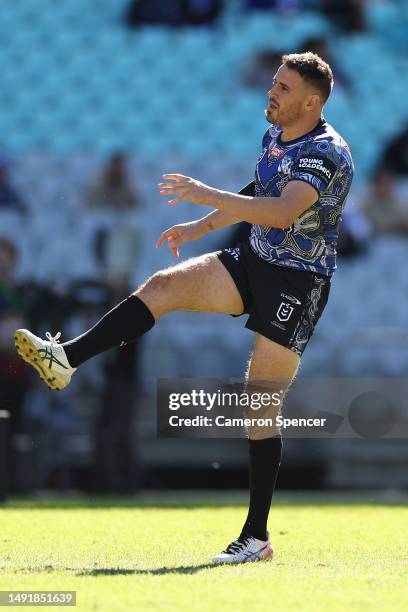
(284, 304)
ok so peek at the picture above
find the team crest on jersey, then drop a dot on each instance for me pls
(285, 165)
(284, 311)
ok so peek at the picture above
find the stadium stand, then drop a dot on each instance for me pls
(76, 85)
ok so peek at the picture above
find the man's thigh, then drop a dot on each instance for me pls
(271, 370)
(200, 284)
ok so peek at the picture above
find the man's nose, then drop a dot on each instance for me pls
(272, 91)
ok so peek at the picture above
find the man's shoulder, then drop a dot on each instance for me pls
(329, 143)
(333, 140)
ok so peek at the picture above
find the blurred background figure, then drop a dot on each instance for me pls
(117, 461)
(395, 157)
(118, 249)
(320, 46)
(383, 206)
(112, 189)
(173, 12)
(13, 378)
(280, 6)
(257, 73)
(9, 198)
(348, 15)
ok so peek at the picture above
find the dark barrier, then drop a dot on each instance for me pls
(4, 422)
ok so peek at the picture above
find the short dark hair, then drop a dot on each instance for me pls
(313, 70)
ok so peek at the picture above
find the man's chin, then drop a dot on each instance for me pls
(271, 116)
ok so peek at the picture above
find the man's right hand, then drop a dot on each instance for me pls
(182, 233)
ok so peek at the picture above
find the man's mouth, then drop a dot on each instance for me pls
(272, 105)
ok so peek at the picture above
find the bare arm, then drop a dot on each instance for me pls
(218, 219)
(279, 212)
(177, 235)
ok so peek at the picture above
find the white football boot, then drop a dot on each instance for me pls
(46, 356)
(245, 550)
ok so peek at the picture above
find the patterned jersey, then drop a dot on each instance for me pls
(322, 159)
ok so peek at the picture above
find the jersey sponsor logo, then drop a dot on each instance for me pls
(275, 153)
(291, 299)
(324, 166)
(278, 325)
(284, 311)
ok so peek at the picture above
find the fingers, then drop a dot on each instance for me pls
(176, 200)
(180, 198)
(176, 189)
(173, 247)
(175, 185)
(175, 177)
(160, 241)
(179, 186)
(173, 241)
(164, 236)
(171, 187)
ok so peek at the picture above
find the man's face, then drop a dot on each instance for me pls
(287, 98)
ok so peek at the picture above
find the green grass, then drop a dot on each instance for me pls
(146, 554)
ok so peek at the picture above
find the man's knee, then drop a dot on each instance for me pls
(262, 432)
(158, 282)
(262, 424)
(264, 407)
(155, 291)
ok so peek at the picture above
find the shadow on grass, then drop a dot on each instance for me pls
(156, 571)
(205, 499)
(162, 501)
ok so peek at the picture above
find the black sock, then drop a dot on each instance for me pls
(264, 461)
(121, 325)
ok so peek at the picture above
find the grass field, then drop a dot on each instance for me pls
(153, 553)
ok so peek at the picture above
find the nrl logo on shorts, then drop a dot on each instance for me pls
(284, 311)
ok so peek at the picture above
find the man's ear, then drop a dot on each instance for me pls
(313, 101)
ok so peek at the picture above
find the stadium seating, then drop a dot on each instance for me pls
(54, 189)
(78, 79)
(76, 85)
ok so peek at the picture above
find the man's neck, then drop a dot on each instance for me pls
(291, 132)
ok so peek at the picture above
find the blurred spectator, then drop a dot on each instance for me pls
(263, 65)
(202, 12)
(318, 45)
(113, 189)
(141, 12)
(348, 15)
(9, 198)
(13, 373)
(118, 249)
(395, 156)
(281, 6)
(382, 206)
(117, 469)
(261, 68)
(173, 12)
(354, 233)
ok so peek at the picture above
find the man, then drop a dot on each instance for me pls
(113, 190)
(281, 277)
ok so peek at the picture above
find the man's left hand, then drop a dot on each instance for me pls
(186, 189)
